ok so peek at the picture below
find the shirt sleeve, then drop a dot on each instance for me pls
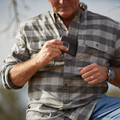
(18, 54)
(115, 62)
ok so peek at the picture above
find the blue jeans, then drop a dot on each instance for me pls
(66, 118)
(107, 108)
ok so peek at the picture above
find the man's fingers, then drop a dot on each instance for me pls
(60, 47)
(53, 54)
(80, 68)
(56, 44)
(88, 68)
(55, 41)
(93, 73)
(89, 78)
(54, 50)
(89, 74)
(92, 82)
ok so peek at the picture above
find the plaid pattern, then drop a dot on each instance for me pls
(57, 89)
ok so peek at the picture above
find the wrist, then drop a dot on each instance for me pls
(110, 74)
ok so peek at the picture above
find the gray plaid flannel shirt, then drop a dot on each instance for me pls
(57, 89)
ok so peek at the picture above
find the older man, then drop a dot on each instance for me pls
(63, 86)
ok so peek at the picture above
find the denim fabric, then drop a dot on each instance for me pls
(66, 118)
(107, 108)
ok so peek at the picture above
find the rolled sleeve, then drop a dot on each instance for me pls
(5, 79)
(18, 54)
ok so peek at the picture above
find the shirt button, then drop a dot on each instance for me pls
(66, 85)
(97, 45)
(42, 44)
(66, 64)
(65, 29)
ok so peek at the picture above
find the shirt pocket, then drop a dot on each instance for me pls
(89, 48)
(36, 46)
(94, 51)
(97, 46)
(98, 52)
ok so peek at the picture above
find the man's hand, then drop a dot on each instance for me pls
(94, 73)
(20, 73)
(50, 50)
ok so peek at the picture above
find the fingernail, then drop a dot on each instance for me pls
(67, 49)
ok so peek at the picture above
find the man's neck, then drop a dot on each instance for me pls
(67, 21)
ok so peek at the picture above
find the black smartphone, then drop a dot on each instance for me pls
(71, 44)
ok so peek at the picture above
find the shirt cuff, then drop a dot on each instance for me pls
(8, 81)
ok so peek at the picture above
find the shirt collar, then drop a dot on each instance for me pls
(84, 14)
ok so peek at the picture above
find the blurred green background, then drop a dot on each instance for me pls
(13, 104)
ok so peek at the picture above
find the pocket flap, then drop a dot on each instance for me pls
(96, 45)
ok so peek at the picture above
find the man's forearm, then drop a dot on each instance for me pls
(22, 72)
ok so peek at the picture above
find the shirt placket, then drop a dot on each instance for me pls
(63, 31)
(67, 71)
(67, 79)
(68, 66)
(68, 59)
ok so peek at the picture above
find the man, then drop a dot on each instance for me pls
(62, 86)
